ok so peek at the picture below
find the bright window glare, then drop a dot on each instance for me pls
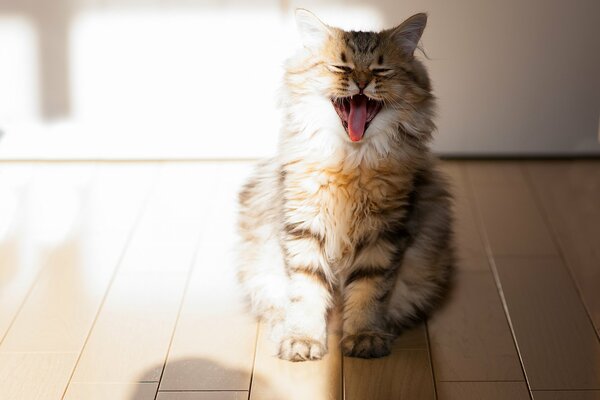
(207, 79)
(8, 207)
(18, 73)
(190, 82)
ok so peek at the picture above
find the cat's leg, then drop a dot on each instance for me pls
(426, 264)
(263, 277)
(304, 328)
(381, 302)
(422, 280)
(261, 269)
(400, 277)
(365, 329)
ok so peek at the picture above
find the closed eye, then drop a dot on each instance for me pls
(382, 71)
(339, 68)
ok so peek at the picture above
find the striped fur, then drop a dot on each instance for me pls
(326, 218)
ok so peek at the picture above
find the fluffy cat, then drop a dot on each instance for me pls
(351, 204)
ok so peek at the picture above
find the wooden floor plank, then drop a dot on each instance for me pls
(202, 396)
(414, 338)
(557, 342)
(111, 391)
(51, 209)
(470, 336)
(214, 342)
(34, 376)
(68, 293)
(470, 247)
(569, 193)
(405, 374)
(492, 172)
(567, 395)
(171, 227)
(218, 357)
(131, 337)
(482, 391)
(409, 350)
(276, 379)
(20, 259)
(513, 223)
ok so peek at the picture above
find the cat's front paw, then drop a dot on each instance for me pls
(301, 348)
(367, 345)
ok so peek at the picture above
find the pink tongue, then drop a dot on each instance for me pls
(357, 118)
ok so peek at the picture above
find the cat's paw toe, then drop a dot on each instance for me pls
(301, 348)
(367, 345)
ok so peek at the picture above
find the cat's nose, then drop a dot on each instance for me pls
(362, 83)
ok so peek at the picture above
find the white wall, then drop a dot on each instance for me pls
(193, 79)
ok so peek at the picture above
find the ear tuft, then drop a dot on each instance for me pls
(407, 34)
(313, 31)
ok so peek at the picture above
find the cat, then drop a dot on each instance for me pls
(351, 207)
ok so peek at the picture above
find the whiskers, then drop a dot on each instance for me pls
(338, 99)
(396, 103)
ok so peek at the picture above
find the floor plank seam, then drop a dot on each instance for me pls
(191, 270)
(37, 352)
(492, 264)
(430, 358)
(485, 381)
(201, 391)
(567, 390)
(220, 160)
(22, 304)
(130, 236)
(33, 283)
(557, 242)
(253, 360)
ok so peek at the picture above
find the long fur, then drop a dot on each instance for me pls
(369, 220)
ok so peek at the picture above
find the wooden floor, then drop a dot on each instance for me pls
(116, 282)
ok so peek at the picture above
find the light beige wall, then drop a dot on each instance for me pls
(147, 78)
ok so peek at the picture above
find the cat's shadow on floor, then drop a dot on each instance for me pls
(181, 375)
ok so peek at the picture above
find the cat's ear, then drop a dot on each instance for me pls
(407, 34)
(313, 31)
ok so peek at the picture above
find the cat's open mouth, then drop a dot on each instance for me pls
(356, 112)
